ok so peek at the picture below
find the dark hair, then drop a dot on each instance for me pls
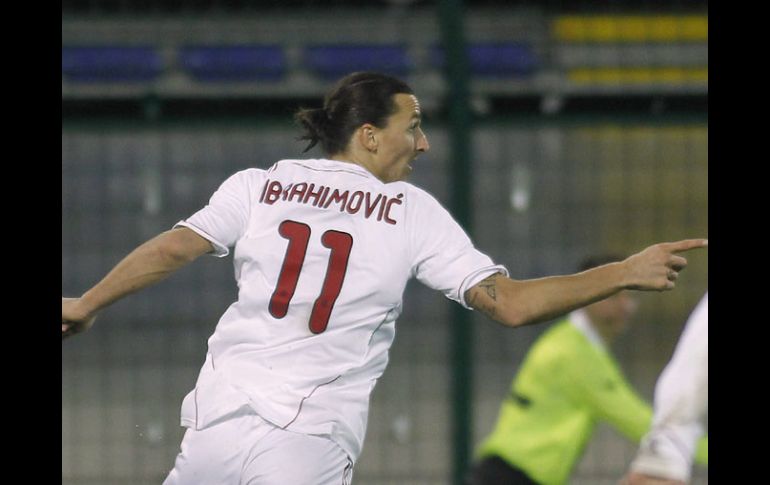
(358, 98)
(599, 260)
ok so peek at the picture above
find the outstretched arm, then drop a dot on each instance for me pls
(523, 302)
(144, 266)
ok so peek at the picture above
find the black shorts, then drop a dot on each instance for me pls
(495, 471)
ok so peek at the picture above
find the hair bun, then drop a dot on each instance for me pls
(316, 123)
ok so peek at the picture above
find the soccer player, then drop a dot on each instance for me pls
(681, 400)
(567, 383)
(323, 249)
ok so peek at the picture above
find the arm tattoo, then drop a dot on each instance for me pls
(489, 286)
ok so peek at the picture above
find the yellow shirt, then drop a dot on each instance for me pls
(565, 386)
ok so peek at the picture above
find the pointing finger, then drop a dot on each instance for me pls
(685, 245)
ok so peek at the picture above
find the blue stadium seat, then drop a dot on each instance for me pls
(110, 63)
(333, 61)
(234, 62)
(494, 59)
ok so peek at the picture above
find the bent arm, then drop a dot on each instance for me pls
(521, 302)
(146, 265)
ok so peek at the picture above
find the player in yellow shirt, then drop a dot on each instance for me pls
(567, 383)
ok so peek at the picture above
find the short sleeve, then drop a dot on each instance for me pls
(225, 218)
(442, 255)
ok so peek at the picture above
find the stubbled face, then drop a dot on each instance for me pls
(400, 141)
(611, 315)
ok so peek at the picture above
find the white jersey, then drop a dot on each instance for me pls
(681, 401)
(323, 252)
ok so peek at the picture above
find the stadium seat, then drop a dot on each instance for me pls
(333, 61)
(234, 62)
(630, 28)
(110, 63)
(493, 59)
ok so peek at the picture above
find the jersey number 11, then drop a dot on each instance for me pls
(298, 235)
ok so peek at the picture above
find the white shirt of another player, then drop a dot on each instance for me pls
(323, 252)
(681, 402)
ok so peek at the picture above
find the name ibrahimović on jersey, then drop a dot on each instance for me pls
(324, 197)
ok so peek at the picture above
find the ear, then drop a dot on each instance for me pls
(367, 137)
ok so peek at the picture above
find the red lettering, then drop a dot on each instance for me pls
(273, 192)
(370, 207)
(314, 195)
(323, 196)
(350, 208)
(299, 190)
(397, 200)
(337, 197)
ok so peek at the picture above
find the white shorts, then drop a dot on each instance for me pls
(247, 450)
